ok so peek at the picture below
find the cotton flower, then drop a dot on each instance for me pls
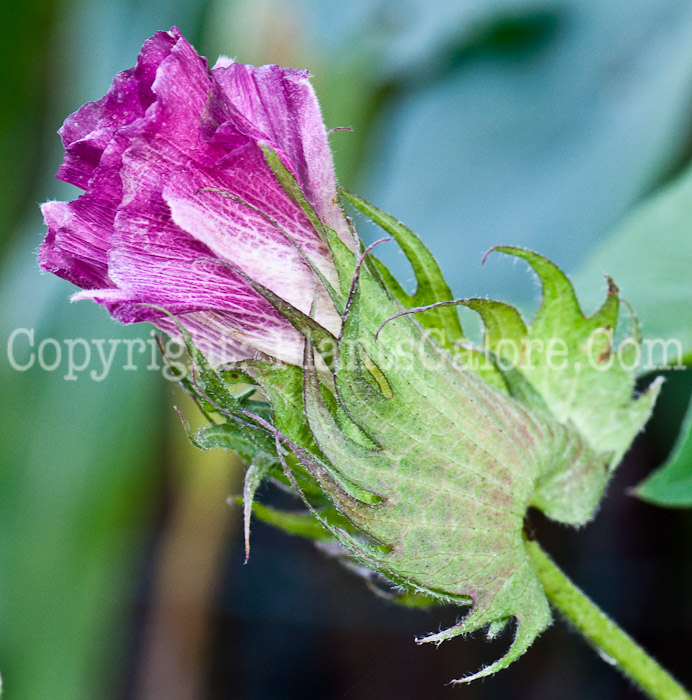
(180, 206)
(211, 194)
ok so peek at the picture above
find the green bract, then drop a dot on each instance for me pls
(420, 454)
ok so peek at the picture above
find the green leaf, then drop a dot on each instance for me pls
(671, 484)
(502, 322)
(432, 286)
(429, 424)
(650, 256)
(345, 262)
(432, 299)
(282, 384)
(293, 189)
(301, 523)
(232, 436)
(260, 468)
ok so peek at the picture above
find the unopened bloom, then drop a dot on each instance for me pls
(178, 196)
(211, 194)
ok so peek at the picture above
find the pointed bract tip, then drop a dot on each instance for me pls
(612, 287)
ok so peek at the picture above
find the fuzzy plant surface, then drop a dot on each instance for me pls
(410, 459)
(211, 209)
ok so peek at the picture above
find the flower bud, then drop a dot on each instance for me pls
(211, 209)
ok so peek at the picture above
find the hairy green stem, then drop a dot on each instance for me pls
(602, 633)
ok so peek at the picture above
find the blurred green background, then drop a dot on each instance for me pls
(527, 122)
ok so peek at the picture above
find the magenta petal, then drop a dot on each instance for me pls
(79, 232)
(281, 105)
(188, 105)
(153, 261)
(86, 133)
(264, 245)
(72, 249)
(265, 251)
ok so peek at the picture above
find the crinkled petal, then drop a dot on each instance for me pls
(237, 233)
(87, 132)
(154, 262)
(188, 106)
(281, 105)
(171, 152)
(73, 248)
(80, 232)
(191, 130)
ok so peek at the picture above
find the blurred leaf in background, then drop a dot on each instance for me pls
(650, 256)
(671, 485)
(23, 85)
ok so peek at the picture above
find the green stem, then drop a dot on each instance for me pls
(608, 639)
